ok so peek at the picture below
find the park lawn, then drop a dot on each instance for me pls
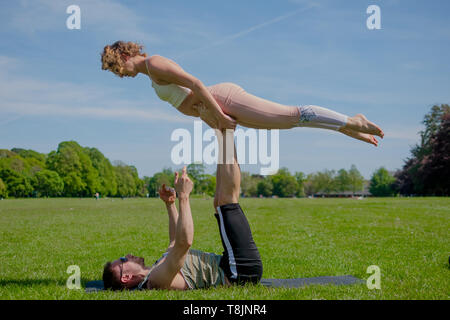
(408, 238)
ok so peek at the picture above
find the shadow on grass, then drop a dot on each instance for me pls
(30, 282)
(38, 282)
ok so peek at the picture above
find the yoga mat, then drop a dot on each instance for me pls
(301, 282)
(93, 286)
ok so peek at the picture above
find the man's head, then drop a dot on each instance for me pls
(124, 273)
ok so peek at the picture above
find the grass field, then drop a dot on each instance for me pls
(407, 238)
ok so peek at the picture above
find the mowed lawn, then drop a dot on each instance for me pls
(408, 238)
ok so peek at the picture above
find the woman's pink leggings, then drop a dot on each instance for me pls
(254, 112)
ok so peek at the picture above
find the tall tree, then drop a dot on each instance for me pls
(409, 179)
(382, 183)
(301, 179)
(309, 185)
(35, 160)
(3, 190)
(158, 179)
(343, 181)
(324, 181)
(74, 166)
(49, 183)
(208, 185)
(139, 183)
(107, 184)
(284, 184)
(196, 171)
(435, 167)
(356, 179)
(264, 188)
(126, 185)
(18, 184)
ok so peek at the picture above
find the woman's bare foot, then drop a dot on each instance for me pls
(359, 123)
(360, 136)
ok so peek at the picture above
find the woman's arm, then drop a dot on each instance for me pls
(167, 70)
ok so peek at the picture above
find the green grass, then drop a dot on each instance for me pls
(407, 238)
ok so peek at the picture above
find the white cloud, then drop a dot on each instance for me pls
(109, 16)
(124, 113)
(22, 96)
(246, 31)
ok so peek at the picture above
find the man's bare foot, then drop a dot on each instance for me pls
(360, 136)
(359, 123)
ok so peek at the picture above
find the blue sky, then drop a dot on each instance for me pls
(295, 52)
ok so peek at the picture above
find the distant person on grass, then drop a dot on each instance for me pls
(182, 268)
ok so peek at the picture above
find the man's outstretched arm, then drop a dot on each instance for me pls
(168, 195)
(162, 275)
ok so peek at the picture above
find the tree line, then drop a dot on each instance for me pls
(70, 171)
(76, 171)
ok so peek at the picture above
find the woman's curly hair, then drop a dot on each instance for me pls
(112, 55)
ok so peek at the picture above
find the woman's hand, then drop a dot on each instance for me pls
(216, 120)
(226, 122)
(171, 72)
(167, 194)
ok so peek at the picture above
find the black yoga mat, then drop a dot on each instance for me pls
(93, 286)
(301, 282)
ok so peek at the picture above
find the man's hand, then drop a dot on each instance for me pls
(167, 194)
(183, 185)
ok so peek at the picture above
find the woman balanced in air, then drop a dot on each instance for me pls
(225, 105)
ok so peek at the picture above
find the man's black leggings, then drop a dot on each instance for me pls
(240, 261)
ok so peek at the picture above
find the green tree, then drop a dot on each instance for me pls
(382, 183)
(35, 160)
(356, 179)
(249, 184)
(309, 184)
(264, 187)
(3, 189)
(18, 184)
(73, 165)
(197, 173)
(409, 178)
(13, 161)
(128, 182)
(208, 185)
(284, 184)
(166, 177)
(126, 186)
(138, 182)
(301, 179)
(432, 122)
(107, 184)
(49, 183)
(73, 185)
(343, 181)
(434, 171)
(324, 181)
